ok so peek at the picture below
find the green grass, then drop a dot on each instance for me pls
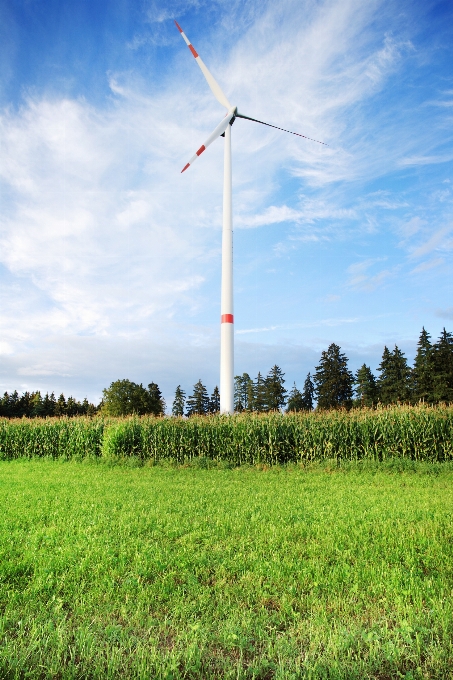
(153, 572)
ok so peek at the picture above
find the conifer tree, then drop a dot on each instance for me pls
(198, 402)
(156, 402)
(443, 367)
(308, 394)
(49, 404)
(214, 401)
(422, 386)
(366, 388)
(394, 381)
(241, 392)
(333, 379)
(60, 406)
(71, 407)
(37, 406)
(275, 392)
(251, 395)
(295, 400)
(260, 394)
(179, 402)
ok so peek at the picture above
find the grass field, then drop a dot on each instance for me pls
(154, 572)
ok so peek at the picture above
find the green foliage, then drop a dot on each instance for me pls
(243, 393)
(33, 405)
(422, 386)
(295, 400)
(410, 432)
(275, 390)
(395, 379)
(198, 402)
(214, 401)
(308, 394)
(366, 388)
(179, 402)
(333, 380)
(443, 368)
(336, 573)
(124, 397)
(301, 401)
(259, 402)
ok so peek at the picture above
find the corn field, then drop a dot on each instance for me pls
(412, 432)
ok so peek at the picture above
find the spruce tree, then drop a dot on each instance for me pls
(275, 392)
(241, 392)
(37, 406)
(156, 402)
(60, 406)
(198, 402)
(308, 395)
(214, 401)
(333, 380)
(443, 367)
(366, 388)
(295, 400)
(251, 395)
(260, 394)
(394, 381)
(71, 407)
(422, 387)
(178, 402)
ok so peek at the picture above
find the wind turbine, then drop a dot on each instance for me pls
(223, 129)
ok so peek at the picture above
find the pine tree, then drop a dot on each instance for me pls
(260, 394)
(394, 381)
(178, 402)
(443, 367)
(198, 402)
(214, 401)
(333, 379)
(422, 374)
(366, 387)
(295, 400)
(275, 392)
(156, 402)
(308, 395)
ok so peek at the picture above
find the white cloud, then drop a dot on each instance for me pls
(113, 253)
(430, 264)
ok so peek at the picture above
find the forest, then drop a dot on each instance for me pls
(331, 385)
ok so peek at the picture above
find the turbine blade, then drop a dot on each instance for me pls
(220, 129)
(213, 84)
(239, 115)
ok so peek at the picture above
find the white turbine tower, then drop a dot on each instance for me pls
(226, 310)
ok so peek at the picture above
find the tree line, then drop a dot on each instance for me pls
(34, 405)
(332, 385)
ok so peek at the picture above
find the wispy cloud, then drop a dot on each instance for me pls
(430, 264)
(314, 324)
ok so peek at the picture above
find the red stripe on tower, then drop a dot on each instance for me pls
(193, 50)
(185, 167)
(201, 149)
(178, 27)
(227, 318)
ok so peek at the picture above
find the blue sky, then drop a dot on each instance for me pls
(110, 258)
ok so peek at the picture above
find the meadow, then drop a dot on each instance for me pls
(329, 570)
